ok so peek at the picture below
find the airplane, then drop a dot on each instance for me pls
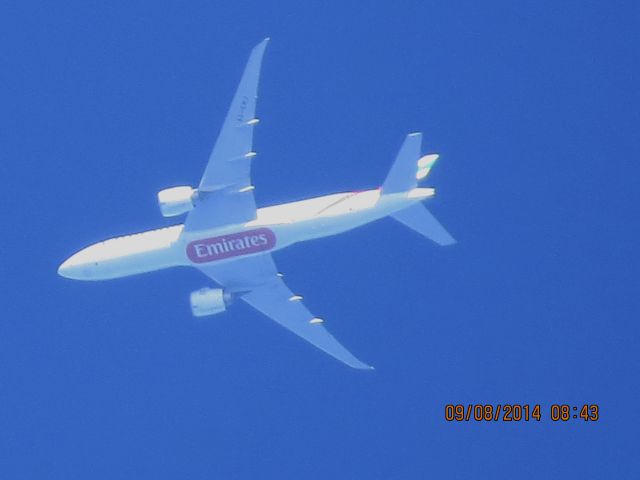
(231, 241)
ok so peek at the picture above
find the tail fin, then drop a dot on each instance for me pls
(407, 169)
(402, 176)
(418, 218)
(408, 166)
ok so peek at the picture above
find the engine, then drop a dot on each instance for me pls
(175, 201)
(209, 301)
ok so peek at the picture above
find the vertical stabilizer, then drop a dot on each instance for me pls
(402, 176)
(409, 167)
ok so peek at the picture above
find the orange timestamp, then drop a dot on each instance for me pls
(518, 412)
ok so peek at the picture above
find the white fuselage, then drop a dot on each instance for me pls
(275, 227)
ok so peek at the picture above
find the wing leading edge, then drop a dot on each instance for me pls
(256, 279)
(225, 193)
(276, 301)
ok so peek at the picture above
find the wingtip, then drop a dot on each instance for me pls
(363, 366)
(447, 241)
(262, 45)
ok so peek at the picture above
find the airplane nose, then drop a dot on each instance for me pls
(64, 270)
(73, 269)
(82, 265)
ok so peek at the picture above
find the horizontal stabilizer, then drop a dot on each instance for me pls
(418, 218)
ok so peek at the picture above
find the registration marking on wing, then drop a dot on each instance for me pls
(232, 245)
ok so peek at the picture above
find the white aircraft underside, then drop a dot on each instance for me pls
(231, 241)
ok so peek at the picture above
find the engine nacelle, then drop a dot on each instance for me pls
(209, 301)
(175, 201)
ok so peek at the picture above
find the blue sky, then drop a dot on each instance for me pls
(533, 107)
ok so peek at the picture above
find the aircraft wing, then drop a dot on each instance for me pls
(258, 283)
(225, 193)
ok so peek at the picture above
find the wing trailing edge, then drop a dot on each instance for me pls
(224, 194)
(256, 281)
